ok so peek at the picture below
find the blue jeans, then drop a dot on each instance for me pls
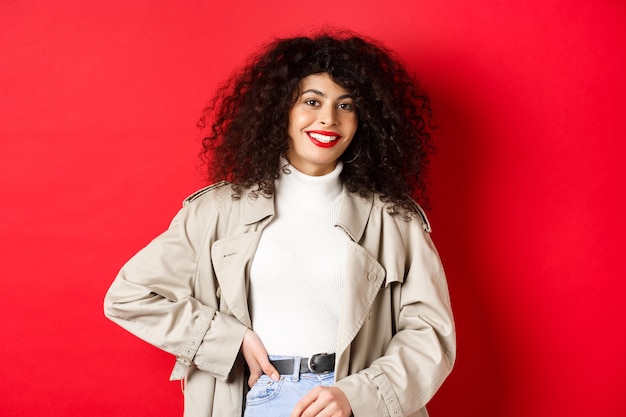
(277, 399)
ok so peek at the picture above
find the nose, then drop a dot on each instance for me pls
(328, 115)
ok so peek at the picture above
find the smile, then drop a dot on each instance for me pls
(324, 139)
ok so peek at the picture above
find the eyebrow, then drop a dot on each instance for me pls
(319, 93)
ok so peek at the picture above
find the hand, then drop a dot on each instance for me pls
(323, 402)
(257, 359)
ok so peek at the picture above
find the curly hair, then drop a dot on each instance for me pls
(247, 121)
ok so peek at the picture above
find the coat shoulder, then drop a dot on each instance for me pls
(406, 215)
(422, 216)
(204, 191)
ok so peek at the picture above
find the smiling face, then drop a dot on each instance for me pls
(322, 123)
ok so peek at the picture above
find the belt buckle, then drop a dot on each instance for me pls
(310, 363)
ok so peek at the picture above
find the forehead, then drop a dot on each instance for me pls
(321, 83)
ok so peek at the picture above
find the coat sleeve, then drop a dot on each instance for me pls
(422, 351)
(153, 297)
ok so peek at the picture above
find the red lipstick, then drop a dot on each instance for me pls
(323, 139)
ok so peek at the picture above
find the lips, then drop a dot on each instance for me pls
(324, 139)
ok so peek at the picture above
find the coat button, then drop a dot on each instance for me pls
(371, 276)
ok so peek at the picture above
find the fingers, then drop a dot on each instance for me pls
(304, 403)
(257, 359)
(323, 402)
(268, 368)
(253, 379)
(259, 366)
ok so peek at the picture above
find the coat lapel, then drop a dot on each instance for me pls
(364, 274)
(364, 278)
(231, 261)
(232, 256)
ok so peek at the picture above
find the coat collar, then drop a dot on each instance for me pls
(255, 208)
(353, 212)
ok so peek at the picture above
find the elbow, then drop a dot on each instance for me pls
(111, 304)
(108, 306)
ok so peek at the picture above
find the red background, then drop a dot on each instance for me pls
(98, 104)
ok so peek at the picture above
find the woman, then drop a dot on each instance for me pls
(306, 283)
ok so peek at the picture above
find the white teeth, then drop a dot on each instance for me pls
(323, 138)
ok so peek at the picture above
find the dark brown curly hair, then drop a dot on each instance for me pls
(246, 123)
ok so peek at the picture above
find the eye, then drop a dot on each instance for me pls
(311, 102)
(346, 106)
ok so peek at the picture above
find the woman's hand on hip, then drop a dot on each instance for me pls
(257, 359)
(323, 402)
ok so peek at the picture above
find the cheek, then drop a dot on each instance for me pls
(293, 123)
(293, 130)
(298, 120)
(352, 124)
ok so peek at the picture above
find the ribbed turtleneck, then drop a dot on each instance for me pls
(296, 278)
(313, 192)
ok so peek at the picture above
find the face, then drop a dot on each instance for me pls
(322, 123)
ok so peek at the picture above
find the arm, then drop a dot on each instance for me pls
(421, 353)
(154, 297)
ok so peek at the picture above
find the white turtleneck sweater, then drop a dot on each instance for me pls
(297, 274)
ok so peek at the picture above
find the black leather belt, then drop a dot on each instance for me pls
(316, 364)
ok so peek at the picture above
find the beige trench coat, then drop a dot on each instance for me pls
(186, 293)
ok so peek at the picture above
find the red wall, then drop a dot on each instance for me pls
(98, 104)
